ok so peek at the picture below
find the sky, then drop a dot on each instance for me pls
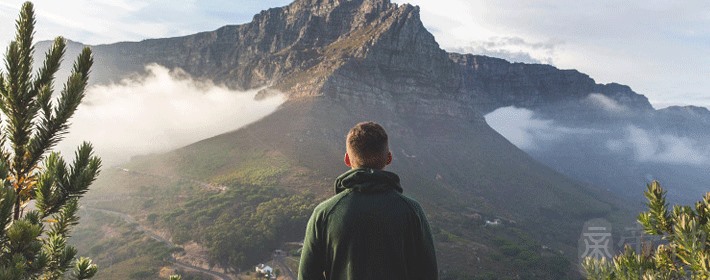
(660, 48)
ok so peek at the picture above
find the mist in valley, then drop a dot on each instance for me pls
(620, 156)
(158, 112)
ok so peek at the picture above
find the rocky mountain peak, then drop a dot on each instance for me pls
(320, 22)
(368, 40)
(367, 49)
(323, 7)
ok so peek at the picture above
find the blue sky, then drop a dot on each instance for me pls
(660, 48)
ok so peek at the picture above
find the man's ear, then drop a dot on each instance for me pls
(389, 158)
(347, 160)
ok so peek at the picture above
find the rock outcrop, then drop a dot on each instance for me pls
(493, 83)
(357, 48)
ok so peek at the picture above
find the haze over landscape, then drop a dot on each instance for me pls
(221, 129)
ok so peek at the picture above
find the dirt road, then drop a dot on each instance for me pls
(129, 219)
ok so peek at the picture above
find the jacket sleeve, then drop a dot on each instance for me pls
(429, 268)
(312, 265)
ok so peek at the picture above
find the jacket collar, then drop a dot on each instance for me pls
(367, 180)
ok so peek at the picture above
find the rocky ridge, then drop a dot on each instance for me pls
(496, 83)
(357, 48)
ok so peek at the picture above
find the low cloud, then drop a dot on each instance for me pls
(606, 103)
(159, 112)
(527, 132)
(513, 49)
(661, 148)
(530, 133)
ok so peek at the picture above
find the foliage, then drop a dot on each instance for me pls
(241, 226)
(524, 254)
(685, 254)
(121, 248)
(33, 244)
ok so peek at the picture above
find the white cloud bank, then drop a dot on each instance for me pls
(514, 49)
(606, 103)
(661, 148)
(524, 130)
(161, 111)
(529, 133)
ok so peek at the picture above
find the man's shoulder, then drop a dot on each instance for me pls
(333, 201)
(328, 204)
(412, 203)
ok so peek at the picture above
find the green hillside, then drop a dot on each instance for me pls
(275, 170)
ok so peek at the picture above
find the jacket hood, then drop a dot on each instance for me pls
(367, 180)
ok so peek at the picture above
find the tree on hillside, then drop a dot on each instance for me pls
(685, 253)
(33, 241)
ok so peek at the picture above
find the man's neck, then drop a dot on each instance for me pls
(366, 167)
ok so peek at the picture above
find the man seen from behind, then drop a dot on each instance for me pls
(368, 230)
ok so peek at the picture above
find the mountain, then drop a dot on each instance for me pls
(302, 49)
(605, 135)
(312, 48)
(341, 62)
(498, 83)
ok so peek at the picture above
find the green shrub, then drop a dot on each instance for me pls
(33, 243)
(686, 254)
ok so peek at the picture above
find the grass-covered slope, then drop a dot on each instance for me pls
(461, 171)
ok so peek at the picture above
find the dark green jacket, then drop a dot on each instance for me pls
(368, 231)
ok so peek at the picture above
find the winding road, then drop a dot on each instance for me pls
(279, 260)
(129, 219)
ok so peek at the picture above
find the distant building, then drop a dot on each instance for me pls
(264, 269)
(493, 223)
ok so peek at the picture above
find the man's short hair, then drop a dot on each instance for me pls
(367, 145)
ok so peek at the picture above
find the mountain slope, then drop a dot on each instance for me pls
(604, 134)
(341, 62)
(461, 171)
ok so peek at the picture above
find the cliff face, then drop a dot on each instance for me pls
(373, 53)
(370, 49)
(495, 83)
(296, 47)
